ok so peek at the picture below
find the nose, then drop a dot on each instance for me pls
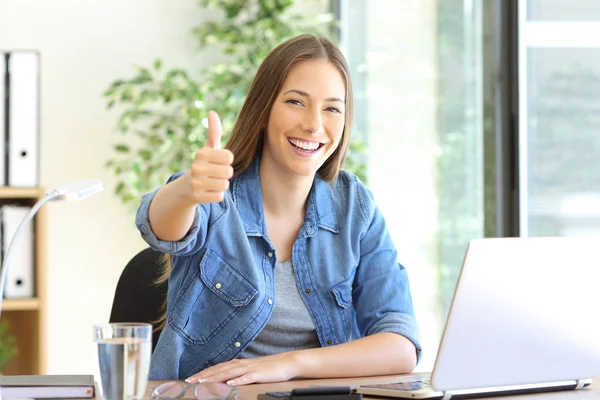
(313, 122)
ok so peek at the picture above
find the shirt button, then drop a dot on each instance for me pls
(237, 344)
(270, 254)
(218, 286)
(329, 341)
(270, 301)
(307, 290)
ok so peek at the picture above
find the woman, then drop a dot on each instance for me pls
(282, 266)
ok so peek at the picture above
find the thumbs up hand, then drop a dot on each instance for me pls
(211, 169)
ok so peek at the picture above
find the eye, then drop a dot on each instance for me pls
(295, 102)
(334, 109)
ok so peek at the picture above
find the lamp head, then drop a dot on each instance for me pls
(76, 190)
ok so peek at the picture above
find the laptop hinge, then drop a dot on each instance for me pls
(581, 383)
(447, 395)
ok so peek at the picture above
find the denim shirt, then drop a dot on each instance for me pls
(221, 287)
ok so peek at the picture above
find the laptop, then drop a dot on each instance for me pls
(523, 319)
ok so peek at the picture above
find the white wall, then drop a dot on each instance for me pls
(84, 46)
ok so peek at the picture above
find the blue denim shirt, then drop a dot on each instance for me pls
(222, 279)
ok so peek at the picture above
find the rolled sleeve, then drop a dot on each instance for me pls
(400, 323)
(190, 242)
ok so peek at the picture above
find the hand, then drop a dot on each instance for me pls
(211, 169)
(276, 368)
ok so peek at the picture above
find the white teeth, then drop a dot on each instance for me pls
(305, 145)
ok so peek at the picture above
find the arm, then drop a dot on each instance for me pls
(152, 231)
(173, 207)
(381, 291)
(172, 210)
(170, 217)
(384, 312)
(383, 353)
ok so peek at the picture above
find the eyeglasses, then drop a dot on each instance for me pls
(202, 391)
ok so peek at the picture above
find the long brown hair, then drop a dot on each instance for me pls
(246, 139)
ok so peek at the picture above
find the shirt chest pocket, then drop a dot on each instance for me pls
(342, 295)
(211, 297)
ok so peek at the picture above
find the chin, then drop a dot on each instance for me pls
(300, 170)
(307, 168)
(304, 172)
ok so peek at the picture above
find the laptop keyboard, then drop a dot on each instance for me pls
(405, 386)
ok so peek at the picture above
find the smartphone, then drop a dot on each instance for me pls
(314, 393)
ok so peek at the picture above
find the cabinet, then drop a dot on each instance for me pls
(27, 317)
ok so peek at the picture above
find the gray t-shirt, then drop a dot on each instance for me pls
(290, 326)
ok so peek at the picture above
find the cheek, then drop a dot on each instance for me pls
(335, 127)
(282, 119)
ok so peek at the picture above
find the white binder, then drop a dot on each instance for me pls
(23, 118)
(3, 120)
(20, 274)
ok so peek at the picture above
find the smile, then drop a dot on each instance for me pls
(305, 145)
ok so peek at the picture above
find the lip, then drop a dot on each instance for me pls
(302, 153)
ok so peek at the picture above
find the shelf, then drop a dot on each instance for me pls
(26, 317)
(21, 193)
(20, 304)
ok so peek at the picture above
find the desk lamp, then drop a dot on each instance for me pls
(76, 190)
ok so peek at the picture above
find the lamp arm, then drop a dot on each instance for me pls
(7, 256)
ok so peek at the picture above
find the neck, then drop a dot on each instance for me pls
(283, 194)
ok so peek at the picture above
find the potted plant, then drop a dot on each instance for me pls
(164, 111)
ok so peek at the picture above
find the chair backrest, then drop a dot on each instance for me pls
(137, 297)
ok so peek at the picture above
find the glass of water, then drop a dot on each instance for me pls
(124, 351)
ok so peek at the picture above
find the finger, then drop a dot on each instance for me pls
(205, 372)
(214, 156)
(208, 170)
(246, 379)
(226, 375)
(210, 185)
(211, 197)
(215, 131)
(219, 375)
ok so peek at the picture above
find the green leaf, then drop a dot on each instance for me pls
(145, 154)
(120, 187)
(127, 94)
(122, 148)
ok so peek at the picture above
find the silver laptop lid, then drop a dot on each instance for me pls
(525, 310)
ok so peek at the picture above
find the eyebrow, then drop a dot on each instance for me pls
(301, 93)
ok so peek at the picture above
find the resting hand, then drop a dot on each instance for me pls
(276, 368)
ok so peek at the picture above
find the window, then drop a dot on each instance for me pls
(559, 145)
(417, 71)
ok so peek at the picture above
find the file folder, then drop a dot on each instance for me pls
(23, 118)
(3, 116)
(20, 274)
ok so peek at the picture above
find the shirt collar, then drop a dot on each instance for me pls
(247, 197)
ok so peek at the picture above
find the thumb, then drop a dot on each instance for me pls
(215, 130)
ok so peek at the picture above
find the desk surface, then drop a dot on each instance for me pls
(250, 392)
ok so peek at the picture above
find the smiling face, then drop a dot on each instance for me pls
(306, 121)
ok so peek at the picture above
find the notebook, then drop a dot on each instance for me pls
(523, 319)
(46, 386)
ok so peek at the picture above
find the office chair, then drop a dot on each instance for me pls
(137, 297)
